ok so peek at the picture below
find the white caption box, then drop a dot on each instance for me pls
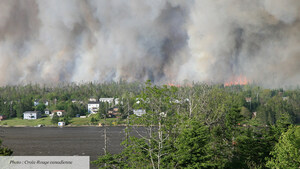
(45, 162)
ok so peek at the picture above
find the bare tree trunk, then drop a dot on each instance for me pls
(127, 125)
(105, 138)
(105, 134)
(190, 106)
(150, 148)
(160, 143)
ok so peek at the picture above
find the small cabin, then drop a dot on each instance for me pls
(139, 112)
(107, 100)
(248, 99)
(36, 102)
(32, 115)
(93, 99)
(47, 112)
(59, 113)
(61, 124)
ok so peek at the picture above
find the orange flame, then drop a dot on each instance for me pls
(172, 84)
(237, 80)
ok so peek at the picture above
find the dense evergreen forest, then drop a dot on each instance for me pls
(188, 126)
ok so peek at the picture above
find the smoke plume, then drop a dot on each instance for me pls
(162, 40)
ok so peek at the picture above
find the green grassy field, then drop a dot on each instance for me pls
(18, 121)
(87, 121)
(76, 121)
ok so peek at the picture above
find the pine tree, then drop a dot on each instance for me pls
(286, 153)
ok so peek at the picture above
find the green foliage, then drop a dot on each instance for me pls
(111, 161)
(61, 106)
(246, 113)
(4, 151)
(66, 119)
(103, 108)
(251, 149)
(41, 107)
(195, 126)
(281, 125)
(25, 104)
(134, 155)
(273, 109)
(193, 149)
(233, 118)
(286, 153)
(203, 127)
(73, 109)
(21, 122)
(94, 120)
(55, 119)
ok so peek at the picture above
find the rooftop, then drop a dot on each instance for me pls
(93, 102)
(54, 111)
(31, 112)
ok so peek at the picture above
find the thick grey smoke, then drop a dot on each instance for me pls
(162, 40)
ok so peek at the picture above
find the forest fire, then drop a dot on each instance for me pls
(172, 84)
(237, 80)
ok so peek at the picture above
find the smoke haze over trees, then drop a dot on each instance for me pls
(96, 40)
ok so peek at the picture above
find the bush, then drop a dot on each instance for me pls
(55, 119)
(4, 151)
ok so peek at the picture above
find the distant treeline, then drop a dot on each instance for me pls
(14, 100)
(263, 106)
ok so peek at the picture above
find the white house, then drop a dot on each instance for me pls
(117, 101)
(285, 98)
(139, 112)
(139, 100)
(36, 102)
(108, 100)
(31, 115)
(47, 111)
(93, 107)
(92, 99)
(175, 101)
(59, 113)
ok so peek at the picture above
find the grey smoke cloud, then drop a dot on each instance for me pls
(162, 40)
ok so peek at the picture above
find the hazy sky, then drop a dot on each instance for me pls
(162, 40)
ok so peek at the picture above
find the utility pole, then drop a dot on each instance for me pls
(250, 105)
(127, 125)
(11, 107)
